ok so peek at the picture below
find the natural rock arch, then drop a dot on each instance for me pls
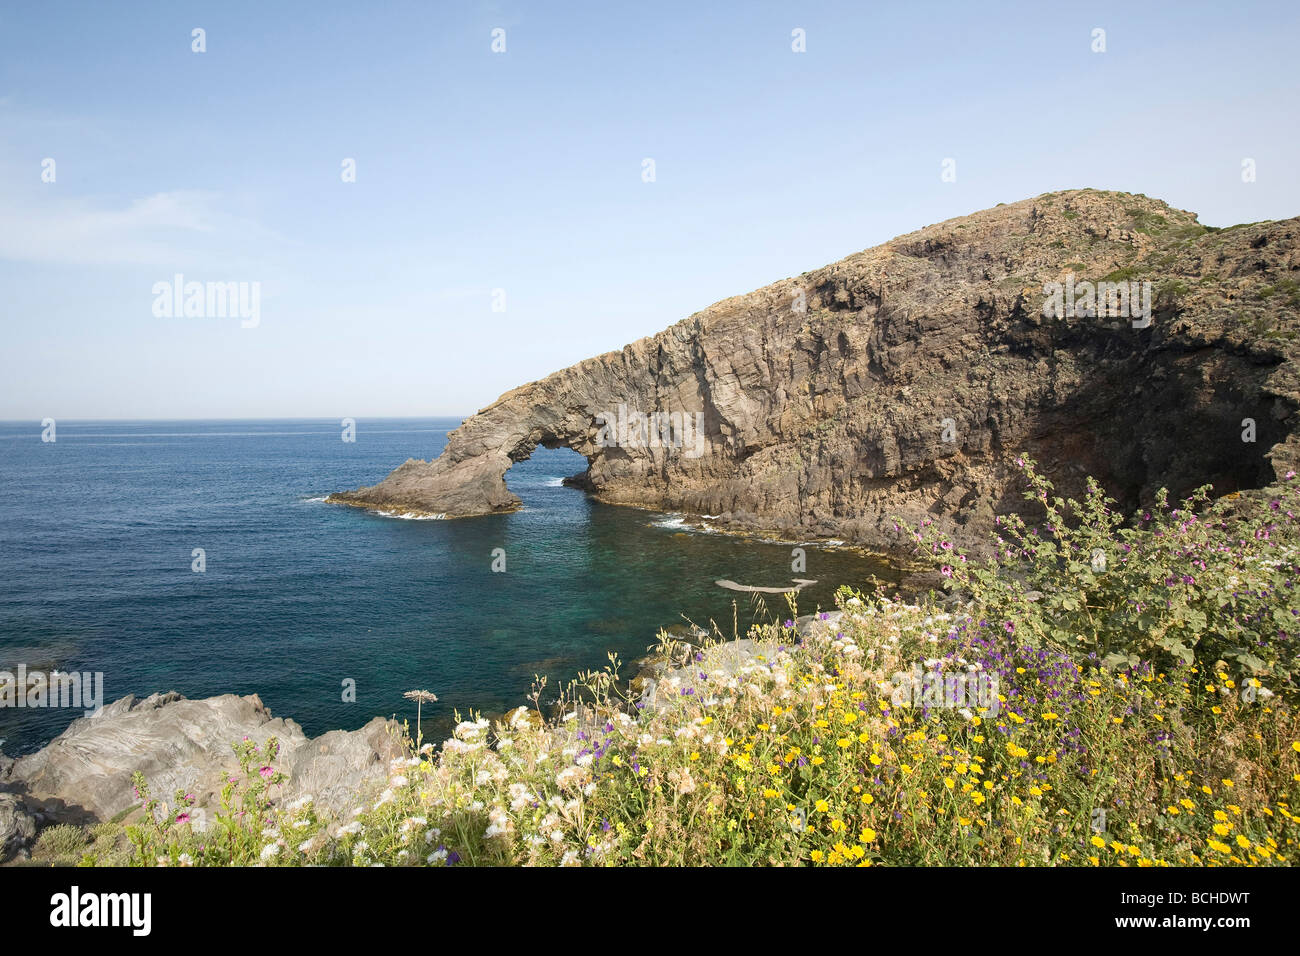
(823, 397)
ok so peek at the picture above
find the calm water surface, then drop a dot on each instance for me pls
(97, 532)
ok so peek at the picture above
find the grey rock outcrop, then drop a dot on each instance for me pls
(17, 826)
(84, 774)
(826, 399)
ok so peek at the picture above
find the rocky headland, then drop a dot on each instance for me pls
(899, 381)
(84, 775)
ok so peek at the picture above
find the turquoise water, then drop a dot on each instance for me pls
(97, 532)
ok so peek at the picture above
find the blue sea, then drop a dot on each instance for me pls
(98, 531)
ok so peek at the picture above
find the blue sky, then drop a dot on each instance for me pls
(522, 171)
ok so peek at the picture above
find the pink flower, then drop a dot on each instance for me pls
(266, 772)
(946, 571)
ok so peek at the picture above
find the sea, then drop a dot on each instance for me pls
(201, 557)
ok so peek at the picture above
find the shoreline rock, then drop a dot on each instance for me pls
(84, 775)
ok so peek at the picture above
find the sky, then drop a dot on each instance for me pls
(500, 225)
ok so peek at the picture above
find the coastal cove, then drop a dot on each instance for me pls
(297, 597)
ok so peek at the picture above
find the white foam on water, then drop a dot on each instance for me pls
(672, 522)
(407, 516)
(554, 482)
(677, 522)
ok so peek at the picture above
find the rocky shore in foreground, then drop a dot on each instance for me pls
(84, 775)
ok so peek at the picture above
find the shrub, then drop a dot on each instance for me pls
(1173, 585)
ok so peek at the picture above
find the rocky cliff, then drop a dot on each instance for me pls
(898, 381)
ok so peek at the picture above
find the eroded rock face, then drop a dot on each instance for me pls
(84, 774)
(17, 826)
(831, 420)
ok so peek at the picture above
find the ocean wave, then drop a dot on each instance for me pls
(408, 516)
(676, 522)
(554, 482)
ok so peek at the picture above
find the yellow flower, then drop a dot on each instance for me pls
(695, 755)
(867, 835)
(821, 806)
(876, 760)
(1098, 842)
(817, 856)
(844, 742)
